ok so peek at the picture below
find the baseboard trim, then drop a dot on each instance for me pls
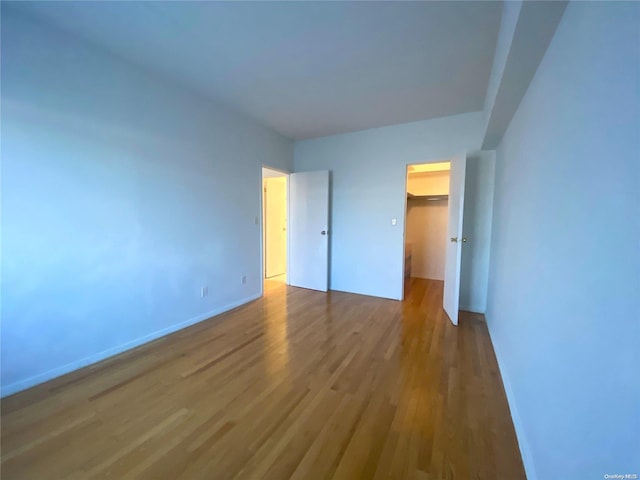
(474, 309)
(365, 294)
(110, 352)
(525, 450)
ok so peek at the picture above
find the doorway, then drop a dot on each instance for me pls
(426, 220)
(274, 224)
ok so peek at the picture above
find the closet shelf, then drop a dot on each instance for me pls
(431, 198)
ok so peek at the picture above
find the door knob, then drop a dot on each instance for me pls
(454, 239)
(323, 232)
(464, 239)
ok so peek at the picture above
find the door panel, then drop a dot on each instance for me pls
(454, 238)
(309, 230)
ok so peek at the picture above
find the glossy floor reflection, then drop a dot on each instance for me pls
(299, 384)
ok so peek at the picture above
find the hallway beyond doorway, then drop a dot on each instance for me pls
(274, 222)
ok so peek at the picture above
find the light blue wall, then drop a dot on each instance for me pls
(564, 290)
(369, 188)
(476, 227)
(122, 195)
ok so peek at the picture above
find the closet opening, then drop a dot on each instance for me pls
(426, 219)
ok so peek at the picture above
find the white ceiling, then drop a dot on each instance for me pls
(305, 69)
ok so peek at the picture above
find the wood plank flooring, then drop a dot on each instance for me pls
(299, 384)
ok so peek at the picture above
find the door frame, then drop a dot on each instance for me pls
(261, 224)
(404, 225)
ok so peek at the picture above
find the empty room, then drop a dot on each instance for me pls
(319, 240)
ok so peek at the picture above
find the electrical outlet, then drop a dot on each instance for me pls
(243, 279)
(204, 291)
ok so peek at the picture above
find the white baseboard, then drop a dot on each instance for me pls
(525, 450)
(365, 294)
(83, 362)
(472, 308)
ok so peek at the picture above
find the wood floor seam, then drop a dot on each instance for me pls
(298, 384)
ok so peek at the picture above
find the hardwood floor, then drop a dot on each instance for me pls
(298, 384)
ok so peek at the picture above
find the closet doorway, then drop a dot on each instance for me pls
(274, 228)
(426, 221)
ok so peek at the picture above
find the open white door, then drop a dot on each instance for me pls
(454, 240)
(309, 230)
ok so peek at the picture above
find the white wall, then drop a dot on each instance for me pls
(427, 234)
(476, 228)
(122, 195)
(369, 189)
(564, 292)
